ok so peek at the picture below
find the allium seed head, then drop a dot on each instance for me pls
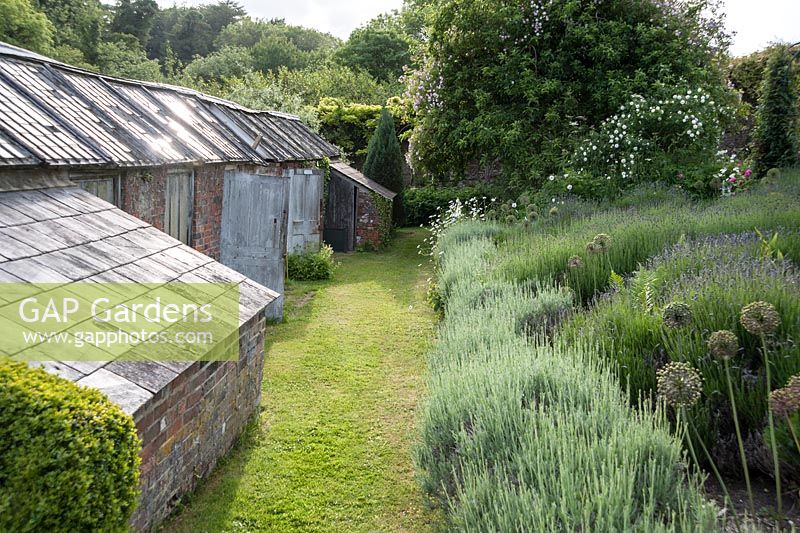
(760, 318)
(679, 384)
(784, 402)
(593, 248)
(603, 241)
(575, 262)
(723, 344)
(677, 315)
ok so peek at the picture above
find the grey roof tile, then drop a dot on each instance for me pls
(148, 375)
(12, 248)
(58, 368)
(35, 239)
(121, 391)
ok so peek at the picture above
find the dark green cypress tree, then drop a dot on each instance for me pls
(777, 119)
(384, 162)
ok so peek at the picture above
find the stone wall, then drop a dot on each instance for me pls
(194, 421)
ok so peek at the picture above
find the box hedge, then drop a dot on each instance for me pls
(69, 457)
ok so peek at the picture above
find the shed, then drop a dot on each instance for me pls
(358, 210)
(187, 163)
(188, 413)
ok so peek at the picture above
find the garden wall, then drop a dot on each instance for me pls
(193, 421)
(373, 220)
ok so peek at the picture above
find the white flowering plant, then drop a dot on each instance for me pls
(660, 138)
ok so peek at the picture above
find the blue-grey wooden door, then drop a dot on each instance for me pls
(254, 224)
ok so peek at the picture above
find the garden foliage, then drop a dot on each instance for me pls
(384, 162)
(525, 83)
(69, 459)
(555, 323)
(776, 134)
(310, 266)
(522, 435)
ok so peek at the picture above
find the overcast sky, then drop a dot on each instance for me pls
(756, 22)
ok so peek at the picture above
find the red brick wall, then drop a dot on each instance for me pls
(143, 195)
(207, 217)
(193, 422)
(368, 233)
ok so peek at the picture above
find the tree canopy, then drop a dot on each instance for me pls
(517, 85)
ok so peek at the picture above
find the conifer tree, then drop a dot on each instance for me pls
(384, 162)
(776, 132)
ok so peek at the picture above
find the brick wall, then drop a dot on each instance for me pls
(207, 218)
(194, 421)
(143, 195)
(368, 222)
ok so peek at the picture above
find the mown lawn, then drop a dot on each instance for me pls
(343, 375)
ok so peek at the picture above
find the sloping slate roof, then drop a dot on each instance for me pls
(54, 114)
(61, 235)
(349, 172)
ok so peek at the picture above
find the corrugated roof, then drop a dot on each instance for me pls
(349, 172)
(57, 115)
(62, 235)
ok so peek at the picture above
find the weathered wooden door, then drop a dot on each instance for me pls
(254, 220)
(179, 205)
(340, 216)
(304, 208)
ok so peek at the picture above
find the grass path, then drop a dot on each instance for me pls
(331, 450)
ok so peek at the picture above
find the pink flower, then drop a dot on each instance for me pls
(748, 173)
(732, 180)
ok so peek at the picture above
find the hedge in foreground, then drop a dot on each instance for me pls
(69, 457)
(522, 435)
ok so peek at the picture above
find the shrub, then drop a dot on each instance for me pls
(491, 68)
(69, 457)
(311, 266)
(776, 135)
(518, 435)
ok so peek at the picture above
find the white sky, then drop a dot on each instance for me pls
(756, 22)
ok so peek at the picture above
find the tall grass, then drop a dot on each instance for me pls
(521, 434)
(716, 277)
(639, 233)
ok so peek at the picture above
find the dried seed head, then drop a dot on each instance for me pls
(677, 315)
(603, 241)
(723, 344)
(553, 211)
(575, 262)
(785, 401)
(679, 384)
(593, 248)
(760, 318)
(794, 383)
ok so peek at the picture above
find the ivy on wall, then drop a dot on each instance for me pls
(384, 209)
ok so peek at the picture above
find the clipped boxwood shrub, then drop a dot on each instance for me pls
(311, 266)
(69, 457)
